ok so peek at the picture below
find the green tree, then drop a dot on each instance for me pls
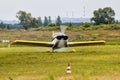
(34, 23)
(70, 24)
(40, 21)
(58, 21)
(25, 19)
(2, 25)
(46, 22)
(49, 20)
(104, 16)
(8, 26)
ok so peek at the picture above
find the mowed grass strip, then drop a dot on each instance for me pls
(33, 63)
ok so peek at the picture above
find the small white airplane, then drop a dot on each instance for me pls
(60, 40)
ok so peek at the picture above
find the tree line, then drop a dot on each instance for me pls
(100, 16)
(27, 21)
(4, 26)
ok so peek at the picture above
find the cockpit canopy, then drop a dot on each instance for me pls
(60, 36)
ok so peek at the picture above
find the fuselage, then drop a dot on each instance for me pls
(59, 40)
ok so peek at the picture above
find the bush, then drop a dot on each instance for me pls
(86, 25)
(51, 24)
(110, 27)
(114, 26)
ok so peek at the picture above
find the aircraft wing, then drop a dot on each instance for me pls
(72, 44)
(32, 43)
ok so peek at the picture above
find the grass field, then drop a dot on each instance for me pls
(34, 63)
(88, 63)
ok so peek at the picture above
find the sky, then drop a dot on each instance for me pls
(53, 8)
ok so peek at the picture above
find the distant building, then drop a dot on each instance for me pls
(75, 20)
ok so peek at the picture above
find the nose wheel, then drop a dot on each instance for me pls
(73, 50)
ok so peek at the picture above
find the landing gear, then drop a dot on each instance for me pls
(73, 50)
(48, 50)
(52, 50)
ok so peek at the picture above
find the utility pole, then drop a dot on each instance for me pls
(84, 11)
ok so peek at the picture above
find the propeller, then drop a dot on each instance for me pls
(63, 28)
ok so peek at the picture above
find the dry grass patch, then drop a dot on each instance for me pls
(114, 76)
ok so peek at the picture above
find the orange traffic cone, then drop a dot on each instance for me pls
(68, 69)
